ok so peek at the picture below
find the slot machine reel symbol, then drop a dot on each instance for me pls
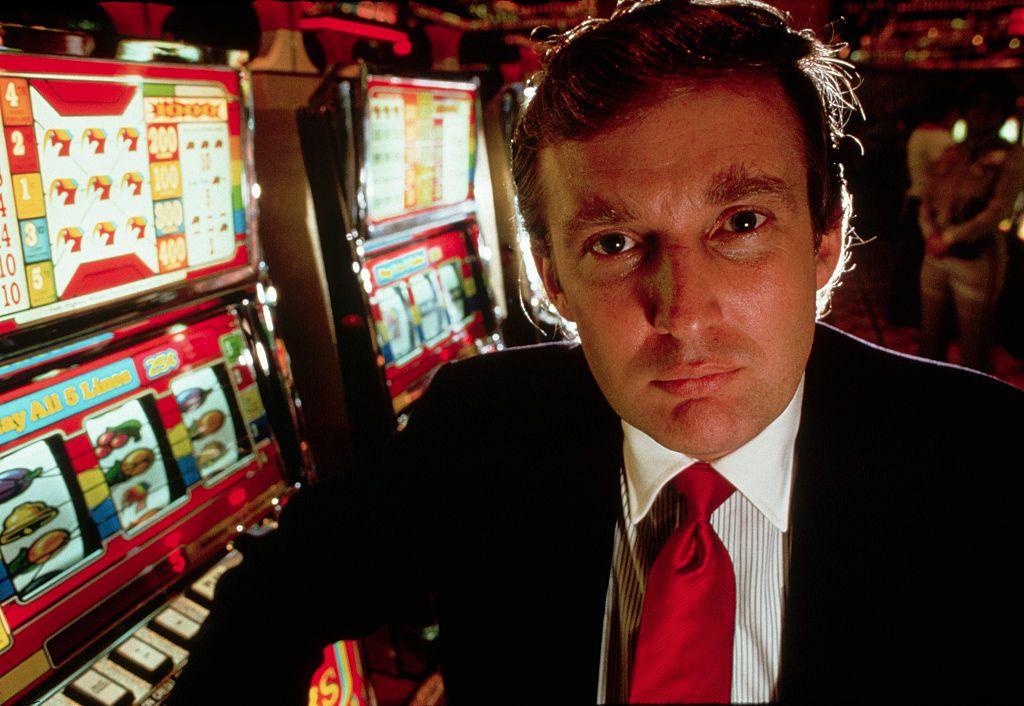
(105, 232)
(210, 454)
(136, 496)
(129, 137)
(64, 191)
(100, 184)
(58, 140)
(135, 463)
(132, 183)
(209, 423)
(95, 138)
(70, 239)
(25, 519)
(118, 436)
(192, 399)
(39, 552)
(137, 225)
(15, 481)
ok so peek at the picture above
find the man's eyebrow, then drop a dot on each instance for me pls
(736, 183)
(595, 211)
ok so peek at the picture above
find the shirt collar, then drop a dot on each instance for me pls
(761, 469)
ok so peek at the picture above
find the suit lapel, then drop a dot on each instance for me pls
(830, 585)
(593, 502)
(573, 501)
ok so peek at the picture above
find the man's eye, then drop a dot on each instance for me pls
(612, 244)
(745, 221)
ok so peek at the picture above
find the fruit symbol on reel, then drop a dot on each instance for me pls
(15, 481)
(192, 399)
(210, 423)
(135, 463)
(136, 496)
(210, 453)
(117, 436)
(41, 551)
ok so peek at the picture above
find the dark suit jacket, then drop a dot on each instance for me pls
(500, 498)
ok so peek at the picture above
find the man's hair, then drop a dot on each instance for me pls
(606, 72)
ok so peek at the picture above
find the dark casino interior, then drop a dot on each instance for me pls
(240, 237)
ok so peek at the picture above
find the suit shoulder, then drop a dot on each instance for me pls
(539, 381)
(522, 369)
(896, 380)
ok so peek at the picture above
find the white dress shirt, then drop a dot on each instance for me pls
(752, 525)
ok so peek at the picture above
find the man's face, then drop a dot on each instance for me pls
(682, 248)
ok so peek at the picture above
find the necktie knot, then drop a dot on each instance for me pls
(704, 490)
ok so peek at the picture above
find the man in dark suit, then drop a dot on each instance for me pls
(709, 498)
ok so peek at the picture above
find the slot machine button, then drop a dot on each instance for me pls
(94, 689)
(138, 687)
(178, 655)
(59, 699)
(175, 627)
(190, 609)
(143, 659)
(202, 590)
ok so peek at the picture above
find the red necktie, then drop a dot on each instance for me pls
(684, 647)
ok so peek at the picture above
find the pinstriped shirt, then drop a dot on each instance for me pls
(752, 525)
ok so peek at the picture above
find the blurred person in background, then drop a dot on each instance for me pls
(970, 190)
(928, 140)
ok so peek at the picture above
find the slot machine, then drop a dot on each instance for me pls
(146, 413)
(392, 163)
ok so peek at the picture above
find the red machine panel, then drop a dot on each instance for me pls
(117, 475)
(115, 179)
(426, 307)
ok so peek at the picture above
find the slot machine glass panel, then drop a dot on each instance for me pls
(425, 302)
(119, 183)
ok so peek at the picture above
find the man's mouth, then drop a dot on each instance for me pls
(697, 382)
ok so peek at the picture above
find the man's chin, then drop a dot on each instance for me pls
(703, 429)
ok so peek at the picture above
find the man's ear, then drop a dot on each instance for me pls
(830, 250)
(553, 288)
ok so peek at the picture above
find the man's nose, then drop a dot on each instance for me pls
(683, 293)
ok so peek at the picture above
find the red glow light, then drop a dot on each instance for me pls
(359, 29)
(172, 540)
(177, 561)
(402, 48)
(1016, 21)
(236, 497)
